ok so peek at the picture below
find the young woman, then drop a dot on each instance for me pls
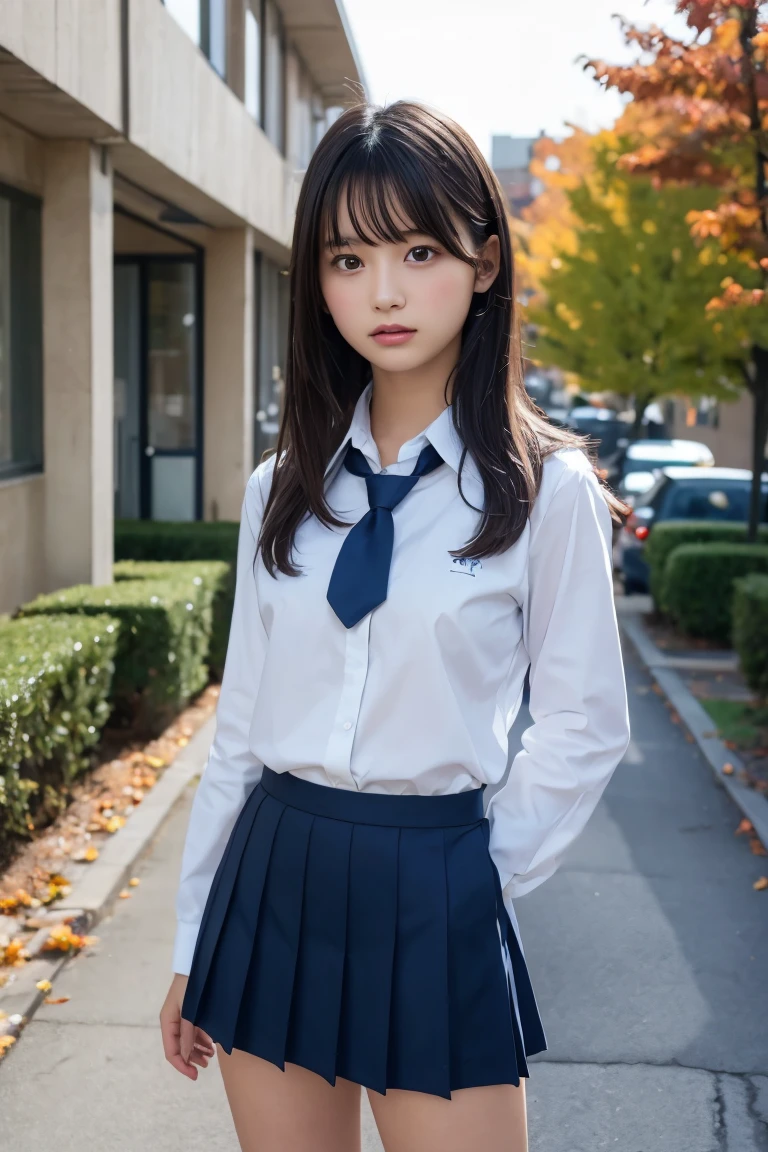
(420, 539)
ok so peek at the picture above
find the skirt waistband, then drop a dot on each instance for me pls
(443, 811)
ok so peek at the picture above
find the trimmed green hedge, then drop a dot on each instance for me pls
(750, 629)
(176, 540)
(698, 586)
(216, 573)
(165, 628)
(188, 540)
(55, 679)
(669, 534)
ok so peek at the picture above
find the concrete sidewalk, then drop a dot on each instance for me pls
(647, 950)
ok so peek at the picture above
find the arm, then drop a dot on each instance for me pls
(231, 769)
(578, 696)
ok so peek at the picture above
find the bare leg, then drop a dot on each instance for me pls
(275, 1110)
(489, 1119)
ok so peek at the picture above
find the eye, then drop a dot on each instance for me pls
(423, 248)
(344, 256)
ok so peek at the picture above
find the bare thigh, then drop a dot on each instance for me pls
(490, 1118)
(275, 1110)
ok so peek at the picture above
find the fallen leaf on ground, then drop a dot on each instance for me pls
(56, 999)
(728, 768)
(744, 826)
(757, 847)
(761, 884)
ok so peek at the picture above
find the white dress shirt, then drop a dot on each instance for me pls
(419, 695)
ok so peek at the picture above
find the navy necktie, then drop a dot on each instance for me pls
(361, 573)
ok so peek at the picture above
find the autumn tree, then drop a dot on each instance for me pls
(623, 303)
(707, 97)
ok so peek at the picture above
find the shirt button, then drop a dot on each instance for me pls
(347, 723)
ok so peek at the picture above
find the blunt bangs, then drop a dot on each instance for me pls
(389, 191)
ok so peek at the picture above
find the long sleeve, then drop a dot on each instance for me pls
(578, 696)
(231, 769)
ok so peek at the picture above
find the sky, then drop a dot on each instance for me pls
(503, 67)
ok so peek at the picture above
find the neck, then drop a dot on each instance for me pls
(405, 403)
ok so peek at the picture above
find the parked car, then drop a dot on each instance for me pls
(604, 425)
(638, 462)
(682, 493)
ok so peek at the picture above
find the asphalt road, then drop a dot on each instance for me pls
(648, 951)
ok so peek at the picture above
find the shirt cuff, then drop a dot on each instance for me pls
(184, 947)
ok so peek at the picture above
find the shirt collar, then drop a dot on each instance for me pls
(440, 433)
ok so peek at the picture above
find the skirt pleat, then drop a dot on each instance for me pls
(317, 991)
(268, 989)
(482, 1035)
(419, 1026)
(225, 985)
(217, 905)
(362, 935)
(370, 946)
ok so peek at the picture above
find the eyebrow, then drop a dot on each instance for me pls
(348, 241)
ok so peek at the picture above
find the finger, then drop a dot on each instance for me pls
(169, 1030)
(204, 1038)
(187, 1070)
(187, 1038)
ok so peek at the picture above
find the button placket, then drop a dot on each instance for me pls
(339, 747)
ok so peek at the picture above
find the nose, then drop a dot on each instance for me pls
(387, 293)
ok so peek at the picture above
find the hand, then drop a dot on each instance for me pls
(184, 1044)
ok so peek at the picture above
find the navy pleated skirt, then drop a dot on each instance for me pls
(364, 935)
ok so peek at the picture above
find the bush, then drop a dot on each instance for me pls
(176, 540)
(165, 628)
(698, 586)
(55, 678)
(188, 540)
(750, 629)
(669, 534)
(216, 573)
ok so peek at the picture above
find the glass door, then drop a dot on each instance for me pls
(172, 395)
(127, 336)
(158, 319)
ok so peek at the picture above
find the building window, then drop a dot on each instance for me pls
(187, 14)
(273, 120)
(213, 34)
(205, 22)
(703, 413)
(303, 120)
(253, 59)
(271, 303)
(21, 335)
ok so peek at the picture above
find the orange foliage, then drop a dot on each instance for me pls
(705, 97)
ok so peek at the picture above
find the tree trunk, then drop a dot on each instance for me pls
(641, 402)
(758, 386)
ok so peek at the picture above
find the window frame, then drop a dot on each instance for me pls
(35, 465)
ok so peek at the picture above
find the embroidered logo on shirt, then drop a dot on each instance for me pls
(465, 565)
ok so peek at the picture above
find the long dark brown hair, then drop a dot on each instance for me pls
(411, 155)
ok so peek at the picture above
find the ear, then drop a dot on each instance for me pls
(489, 257)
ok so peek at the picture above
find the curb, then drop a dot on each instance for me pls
(96, 889)
(700, 724)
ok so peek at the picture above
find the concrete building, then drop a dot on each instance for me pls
(150, 158)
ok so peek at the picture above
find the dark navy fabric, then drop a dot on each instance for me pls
(359, 934)
(360, 576)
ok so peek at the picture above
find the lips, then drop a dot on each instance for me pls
(391, 328)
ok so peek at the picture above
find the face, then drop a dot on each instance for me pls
(417, 285)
